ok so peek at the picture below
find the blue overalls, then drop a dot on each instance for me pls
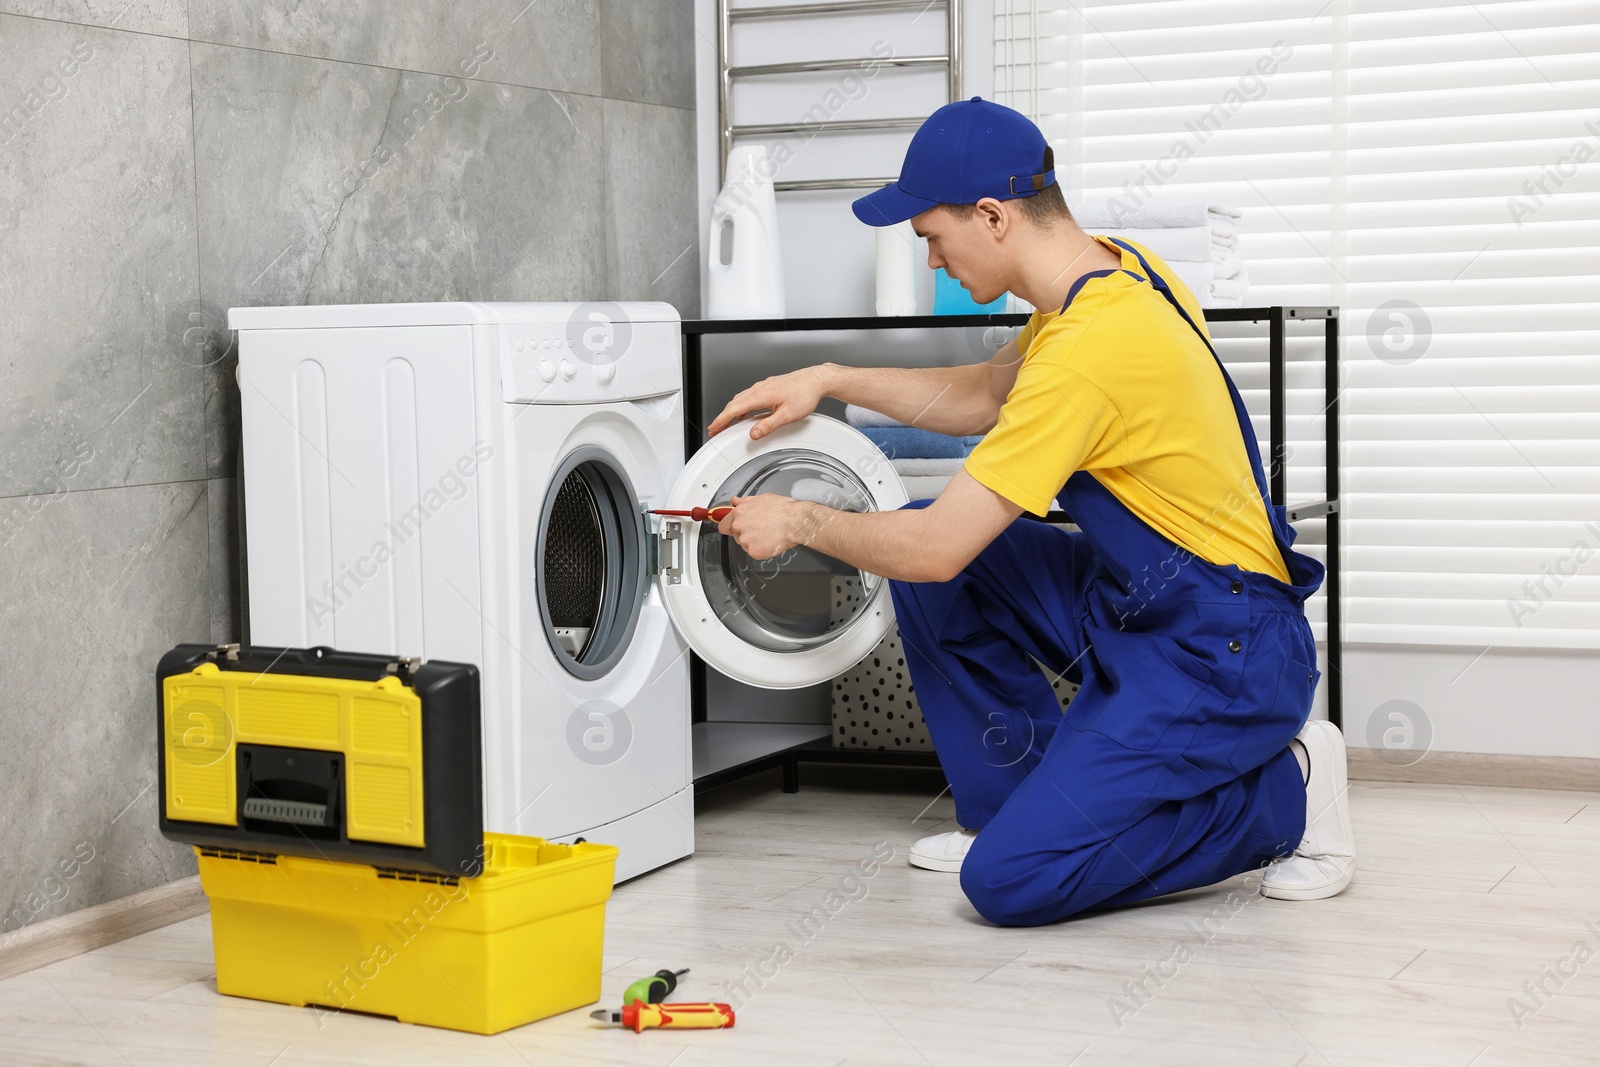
(1170, 768)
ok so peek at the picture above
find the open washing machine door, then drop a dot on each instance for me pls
(801, 617)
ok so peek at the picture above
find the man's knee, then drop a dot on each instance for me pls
(1001, 890)
(983, 892)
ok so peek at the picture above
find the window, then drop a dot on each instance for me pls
(1432, 168)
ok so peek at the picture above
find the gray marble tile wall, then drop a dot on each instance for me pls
(162, 161)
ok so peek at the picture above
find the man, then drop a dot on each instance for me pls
(1186, 756)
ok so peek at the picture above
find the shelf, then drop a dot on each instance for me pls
(919, 322)
(1277, 318)
(823, 751)
(847, 322)
(1311, 509)
(723, 747)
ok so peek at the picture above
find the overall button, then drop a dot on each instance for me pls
(1236, 586)
(1235, 645)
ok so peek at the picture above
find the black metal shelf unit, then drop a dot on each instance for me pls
(1276, 319)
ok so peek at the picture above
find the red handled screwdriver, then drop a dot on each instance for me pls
(640, 1016)
(716, 514)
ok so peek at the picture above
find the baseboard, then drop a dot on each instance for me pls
(103, 924)
(1480, 768)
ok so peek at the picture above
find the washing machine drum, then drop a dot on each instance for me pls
(574, 564)
(799, 598)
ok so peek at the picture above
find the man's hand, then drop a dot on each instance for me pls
(790, 397)
(931, 544)
(764, 526)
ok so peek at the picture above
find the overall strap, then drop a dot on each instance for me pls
(1096, 274)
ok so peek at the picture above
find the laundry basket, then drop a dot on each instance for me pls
(875, 704)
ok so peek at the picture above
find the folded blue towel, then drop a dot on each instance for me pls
(902, 442)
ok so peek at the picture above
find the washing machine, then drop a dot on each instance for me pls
(476, 482)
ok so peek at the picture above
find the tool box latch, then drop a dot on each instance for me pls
(405, 669)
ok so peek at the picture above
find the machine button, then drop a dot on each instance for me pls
(604, 372)
(568, 369)
(1236, 586)
(519, 344)
(547, 370)
(1235, 645)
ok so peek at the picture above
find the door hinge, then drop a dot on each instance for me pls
(666, 552)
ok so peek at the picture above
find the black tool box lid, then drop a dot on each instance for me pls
(339, 756)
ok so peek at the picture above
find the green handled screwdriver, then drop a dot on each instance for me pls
(653, 990)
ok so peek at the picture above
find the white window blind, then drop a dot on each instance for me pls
(1432, 169)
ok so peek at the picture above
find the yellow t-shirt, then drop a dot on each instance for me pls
(1122, 387)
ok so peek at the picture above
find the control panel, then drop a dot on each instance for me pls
(589, 360)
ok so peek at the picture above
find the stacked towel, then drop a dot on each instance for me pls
(1198, 241)
(1158, 216)
(910, 442)
(925, 460)
(924, 486)
(859, 416)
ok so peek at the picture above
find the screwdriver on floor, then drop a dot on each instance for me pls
(639, 1016)
(715, 514)
(655, 989)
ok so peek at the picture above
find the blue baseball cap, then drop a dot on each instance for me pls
(964, 152)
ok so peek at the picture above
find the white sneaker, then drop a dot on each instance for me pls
(1326, 860)
(943, 852)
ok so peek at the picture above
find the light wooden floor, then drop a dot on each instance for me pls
(1464, 894)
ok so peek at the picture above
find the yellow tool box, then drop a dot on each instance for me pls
(335, 801)
(520, 942)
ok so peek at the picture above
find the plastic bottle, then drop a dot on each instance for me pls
(745, 277)
(950, 297)
(897, 269)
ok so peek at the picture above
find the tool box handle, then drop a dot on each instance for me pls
(329, 662)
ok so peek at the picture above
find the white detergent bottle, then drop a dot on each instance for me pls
(745, 278)
(897, 257)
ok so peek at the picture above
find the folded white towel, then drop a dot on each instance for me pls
(1210, 290)
(924, 486)
(1197, 276)
(1191, 243)
(1229, 292)
(1230, 267)
(1097, 217)
(917, 465)
(860, 416)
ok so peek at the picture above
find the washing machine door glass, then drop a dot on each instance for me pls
(800, 617)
